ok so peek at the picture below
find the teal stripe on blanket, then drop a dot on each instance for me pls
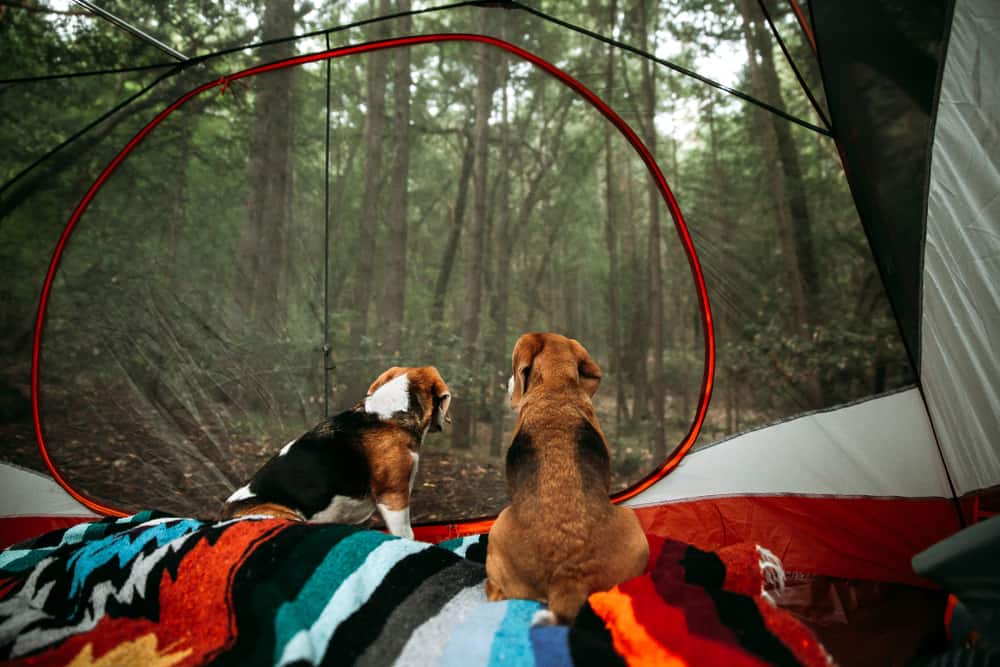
(459, 545)
(512, 643)
(340, 585)
(13, 561)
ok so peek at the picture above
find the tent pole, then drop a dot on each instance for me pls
(131, 29)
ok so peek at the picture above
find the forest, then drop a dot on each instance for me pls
(279, 240)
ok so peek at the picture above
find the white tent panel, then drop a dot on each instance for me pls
(960, 331)
(881, 447)
(27, 493)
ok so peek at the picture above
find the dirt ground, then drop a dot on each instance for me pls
(125, 465)
(449, 485)
(130, 458)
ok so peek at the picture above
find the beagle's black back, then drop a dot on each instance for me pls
(327, 461)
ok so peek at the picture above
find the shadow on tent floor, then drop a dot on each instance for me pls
(864, 623)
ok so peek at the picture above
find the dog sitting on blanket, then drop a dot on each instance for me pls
(561, 538)
(355, 462)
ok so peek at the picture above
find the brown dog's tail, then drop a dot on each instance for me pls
(566, 597)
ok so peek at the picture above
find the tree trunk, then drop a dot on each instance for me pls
(499, 354)
(654, 261)
(794, 223)
(726, 328)
(472, 307)
(263, 240)
(371, 213)
(615, 362)
(447, 262)
(393, 306)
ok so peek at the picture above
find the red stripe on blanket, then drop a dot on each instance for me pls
(796, 636)
(6, 585)
(853, 538)
(191, 629)
(14, 529)
(642, 628)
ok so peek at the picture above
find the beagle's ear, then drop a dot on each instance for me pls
(393, 372)
(590, 372)
(525, 350)
(441, 400)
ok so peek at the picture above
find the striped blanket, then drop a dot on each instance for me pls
(156, 590)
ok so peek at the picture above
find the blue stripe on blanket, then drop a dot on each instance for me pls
(354, 569)
(551, 646)
(125, 547)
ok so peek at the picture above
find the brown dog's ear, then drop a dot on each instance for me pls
(441, 399)
(525, 350)
(393, 372)
(590, 372)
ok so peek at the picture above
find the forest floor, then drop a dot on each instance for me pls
(449, 484)
(119, 465)
(131, 459)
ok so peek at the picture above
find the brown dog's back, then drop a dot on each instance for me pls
(561, 539)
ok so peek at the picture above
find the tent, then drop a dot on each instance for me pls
(807, 363)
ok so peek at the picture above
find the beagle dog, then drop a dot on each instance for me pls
(561, 538)
(361, 460)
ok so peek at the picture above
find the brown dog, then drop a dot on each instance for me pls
(355, 462)
(560, 539)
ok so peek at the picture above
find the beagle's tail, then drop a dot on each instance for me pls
(566, 598)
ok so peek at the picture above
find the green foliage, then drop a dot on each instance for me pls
(144, 311)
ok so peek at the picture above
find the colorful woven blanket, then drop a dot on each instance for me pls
(156, 590)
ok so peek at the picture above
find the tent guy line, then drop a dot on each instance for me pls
(506, 4)
(791, 63)
(131, 29)
(196, 60)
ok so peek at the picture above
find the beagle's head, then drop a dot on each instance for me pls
(550, 358)
(419, 393)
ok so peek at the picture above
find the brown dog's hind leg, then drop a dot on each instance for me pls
(493, 591)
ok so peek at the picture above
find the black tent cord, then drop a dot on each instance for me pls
(77, 75)
(507, 4)
(94, 123)
(666, 63)
(791, 62)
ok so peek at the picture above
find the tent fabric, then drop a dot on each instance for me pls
(25, 492)
(853, 492)
(871, 539)
(879, 447)
(881, 61)
(268, 591)
(960, 367)
(32, 504)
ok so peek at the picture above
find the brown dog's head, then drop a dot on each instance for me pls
(550, 357)
(419, 391)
